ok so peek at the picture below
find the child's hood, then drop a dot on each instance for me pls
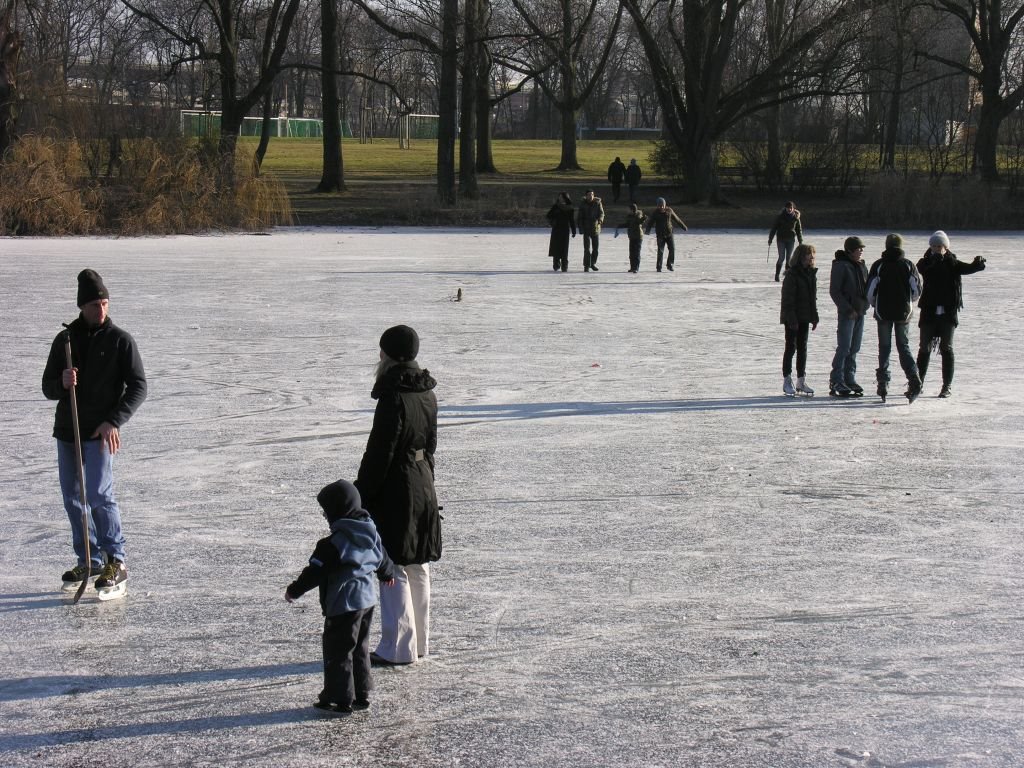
(358, 529)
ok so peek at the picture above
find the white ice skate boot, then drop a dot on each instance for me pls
(787, 386)
(802, 388)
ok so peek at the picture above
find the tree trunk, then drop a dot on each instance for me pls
(261, 148)
(986, 139)
(332, 176)
(447, 102)
(467, 117)
(698, 170)
(231, 118)
(484, 149)
(10, 51)
(568, 161)
(773, 162)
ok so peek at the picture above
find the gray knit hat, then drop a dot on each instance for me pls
(939, 238)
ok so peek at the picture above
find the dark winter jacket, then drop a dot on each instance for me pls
(616, 172)
(562, 217)
(634, 224)
(591, 216)
(787, 227)
(893, 286)
(396, 475)
(942, 285)
(799, 296)
(111, 382)
(848, 285)
(661, 222)
(633, 174)
(343, 565)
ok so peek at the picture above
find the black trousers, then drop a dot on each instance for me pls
(796, 342)
(346, 643)
(943, 330)
(634, 253)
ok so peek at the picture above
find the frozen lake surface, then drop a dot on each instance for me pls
(652, 558)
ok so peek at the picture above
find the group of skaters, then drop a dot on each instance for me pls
(565, 220)
(890, 287)
(384, 526)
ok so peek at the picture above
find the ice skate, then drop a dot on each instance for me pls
(946, 391)
(787, 387)
(72, 580)
(113, 581)
(802, 388)
(839, 390)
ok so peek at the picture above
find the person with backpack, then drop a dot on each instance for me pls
(941, 300)
(893, 286)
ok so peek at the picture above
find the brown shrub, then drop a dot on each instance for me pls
(162, 187)
(40, 193)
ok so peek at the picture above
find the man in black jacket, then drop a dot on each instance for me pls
(848, 288)
(941, 300)
(893, 286)
(110, 385)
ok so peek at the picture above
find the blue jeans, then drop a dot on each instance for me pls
(848, 337)
(886, 329)
(105, 521)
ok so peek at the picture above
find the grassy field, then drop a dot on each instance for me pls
(384, 159)
(386, 185)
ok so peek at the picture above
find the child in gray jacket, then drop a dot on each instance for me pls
(343, 567)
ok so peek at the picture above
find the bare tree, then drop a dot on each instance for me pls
(704, 87)
(994, 28)
(558, 32)
(215, 31)
(438, 35)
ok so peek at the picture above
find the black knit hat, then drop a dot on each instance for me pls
(339, 499)
(91, 287)
(400, 343)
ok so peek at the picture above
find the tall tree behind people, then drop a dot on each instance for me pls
(445, 47)
(996, 33)
(186, 28)
(557, 36)
(332, 176)
(706, 82)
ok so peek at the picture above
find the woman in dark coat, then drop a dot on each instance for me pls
(562, 217)
(799, 314)
(396, 483)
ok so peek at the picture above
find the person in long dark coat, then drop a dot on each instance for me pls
(562, 217)
(396, 483)
(941, 301)
(799, 315)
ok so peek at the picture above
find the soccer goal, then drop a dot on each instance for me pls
(416, 127)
